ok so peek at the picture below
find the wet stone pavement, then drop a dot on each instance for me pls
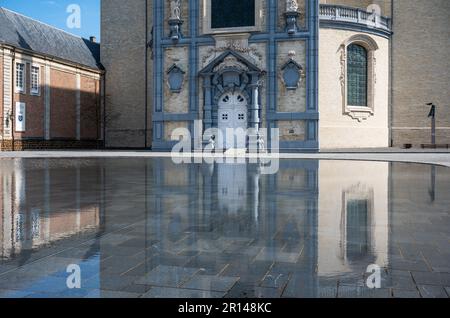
(150, 228)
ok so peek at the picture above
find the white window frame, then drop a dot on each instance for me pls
(35, 91)
(20, 89)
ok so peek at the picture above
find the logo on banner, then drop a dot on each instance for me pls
(20, 116)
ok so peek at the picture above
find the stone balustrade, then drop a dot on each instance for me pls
(343, 14)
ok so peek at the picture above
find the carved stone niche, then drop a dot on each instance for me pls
(175, 78)
(292, 73)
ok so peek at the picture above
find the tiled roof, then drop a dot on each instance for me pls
(26, 33)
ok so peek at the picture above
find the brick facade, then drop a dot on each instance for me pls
(35, 107)
(140, 100)
(69, 104)
(63, 100)
(411, 69)
(1, 94)
(420, 70)
(23, 221)
(123, 54)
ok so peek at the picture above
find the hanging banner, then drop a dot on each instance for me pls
(20, 116)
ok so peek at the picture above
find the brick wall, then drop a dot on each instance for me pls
(123, 55)
(90, 110)
(63, 105)
(62, 99)
(40, 144)
(1, 95)
(34, 108)
(421, 67)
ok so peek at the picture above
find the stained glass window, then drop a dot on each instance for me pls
(357, 75)
(232, 13)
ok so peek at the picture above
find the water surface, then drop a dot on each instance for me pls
(151, 228)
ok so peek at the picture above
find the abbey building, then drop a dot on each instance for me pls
(327, 74)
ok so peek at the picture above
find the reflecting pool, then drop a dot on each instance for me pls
(152, 228)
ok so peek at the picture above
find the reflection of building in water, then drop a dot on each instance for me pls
(235, 207)
(323, 215)
(232, 188)
(353, 216)
(40, 206)
(321, 218)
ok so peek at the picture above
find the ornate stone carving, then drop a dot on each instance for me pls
(230, 62)
(291, 15)
(292, 73)
(175, 78)
(175, 9)
(291, 6)
(374, 61)
(175, 21)
(235, 46)
(231, 72)
(359, 113)
(343, 74)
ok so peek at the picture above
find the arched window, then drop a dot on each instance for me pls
(357, 75)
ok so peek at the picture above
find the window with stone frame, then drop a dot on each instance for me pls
(20, 77)
(357, 75)
(35, 78)
(232, 13)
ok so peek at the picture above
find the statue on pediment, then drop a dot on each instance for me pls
(291, 6)
(175, 9)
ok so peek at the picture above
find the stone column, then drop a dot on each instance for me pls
(255, 119)
(8, 91)
(207, 109)
(78, 106)
(208, 101)
(47, 114)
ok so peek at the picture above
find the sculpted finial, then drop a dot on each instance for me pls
(291, 6)
(175, 9)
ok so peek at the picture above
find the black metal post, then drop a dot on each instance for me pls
(432, 114)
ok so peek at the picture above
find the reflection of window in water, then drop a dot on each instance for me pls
(357, 223)
(20, 227)
(35, 223)
(232, 187)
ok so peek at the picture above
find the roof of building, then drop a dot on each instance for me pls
(28, 34)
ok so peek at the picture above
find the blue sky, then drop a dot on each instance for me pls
(53, 12)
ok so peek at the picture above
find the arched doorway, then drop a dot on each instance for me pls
(232, 118)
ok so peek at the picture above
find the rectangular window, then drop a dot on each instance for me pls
(20, 77)
(232, 13)
(35, 80)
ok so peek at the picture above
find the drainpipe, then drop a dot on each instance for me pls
(13, 90)
(104, 108)
(391, 78)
